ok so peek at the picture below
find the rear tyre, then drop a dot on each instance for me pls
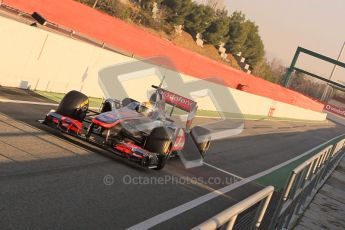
(202, 138)
(160, 142)
(74, 105)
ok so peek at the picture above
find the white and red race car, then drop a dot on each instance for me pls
(141, 132)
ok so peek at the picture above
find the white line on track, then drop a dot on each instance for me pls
(221, 170)
(160, 218)
(27, 102)
(200, 200)
(33, 102)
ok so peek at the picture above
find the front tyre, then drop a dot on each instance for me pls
(160, 142)
(74, 105)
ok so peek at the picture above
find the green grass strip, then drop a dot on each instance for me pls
(279, 177)
(57, 97)
(95, 102)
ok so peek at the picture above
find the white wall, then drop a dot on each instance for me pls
(335, 118)
(51, 62)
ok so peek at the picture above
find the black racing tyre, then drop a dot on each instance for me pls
(202, 138)
(160, 142)
(74, 105)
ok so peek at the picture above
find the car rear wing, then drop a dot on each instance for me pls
(176, 100)
(180, 102)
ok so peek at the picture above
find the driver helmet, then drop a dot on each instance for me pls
(146, 108)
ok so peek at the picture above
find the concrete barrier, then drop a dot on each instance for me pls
(42, 60)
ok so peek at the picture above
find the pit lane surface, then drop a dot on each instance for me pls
(50, 181)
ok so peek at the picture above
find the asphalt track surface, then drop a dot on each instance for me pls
(51, 181)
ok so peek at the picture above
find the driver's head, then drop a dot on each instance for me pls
(146, 108)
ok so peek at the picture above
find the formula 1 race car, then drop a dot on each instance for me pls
(141, 132)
